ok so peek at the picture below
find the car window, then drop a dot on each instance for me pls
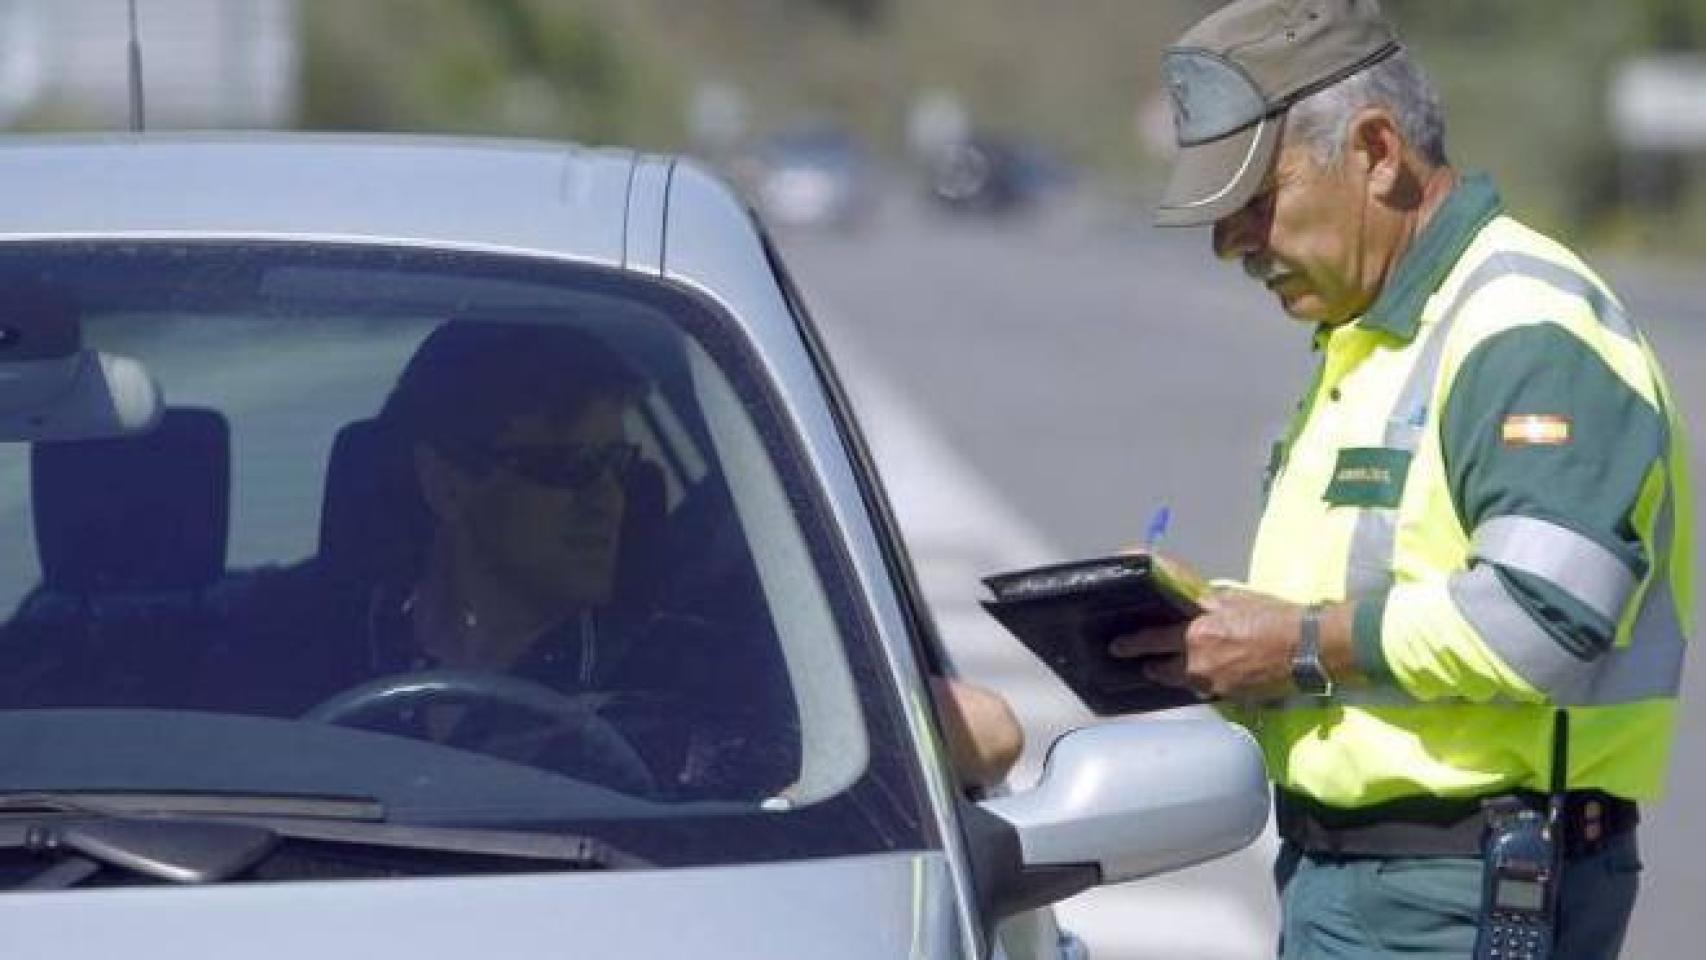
(486, 540)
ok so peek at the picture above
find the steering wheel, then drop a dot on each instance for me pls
(605, 746)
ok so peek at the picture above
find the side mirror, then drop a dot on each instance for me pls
(1117, 802)
(82, 395)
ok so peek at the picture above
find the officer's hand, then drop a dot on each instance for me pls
(1239, 648)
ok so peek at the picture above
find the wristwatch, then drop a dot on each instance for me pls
(1307, 670)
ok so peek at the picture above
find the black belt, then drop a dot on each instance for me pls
(1440, 827)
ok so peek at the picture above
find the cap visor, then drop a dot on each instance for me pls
(1215, 179)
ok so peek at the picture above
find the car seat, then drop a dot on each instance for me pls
(373, 522)
(131, 535)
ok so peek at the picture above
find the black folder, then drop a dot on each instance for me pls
(1067, 613)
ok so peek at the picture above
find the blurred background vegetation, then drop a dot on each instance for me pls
(1528, 84)
(1525, 81)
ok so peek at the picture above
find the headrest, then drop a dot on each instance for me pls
(373, 522)
(144, 512)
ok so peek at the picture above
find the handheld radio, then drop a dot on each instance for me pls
(1523, 863)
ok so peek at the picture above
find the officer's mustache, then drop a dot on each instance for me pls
(1263, 270)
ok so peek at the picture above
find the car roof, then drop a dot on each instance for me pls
(552, 198)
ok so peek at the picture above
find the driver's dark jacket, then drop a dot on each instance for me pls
(709, 716)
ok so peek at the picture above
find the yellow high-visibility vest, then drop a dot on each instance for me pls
(1525, 549)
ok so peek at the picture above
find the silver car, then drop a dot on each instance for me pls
(310, 653)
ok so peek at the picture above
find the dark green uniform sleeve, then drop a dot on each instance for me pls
(1588, 484)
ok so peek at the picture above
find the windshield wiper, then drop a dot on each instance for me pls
(180, 851)
(150, 835)
(120, 803)
(571, 850)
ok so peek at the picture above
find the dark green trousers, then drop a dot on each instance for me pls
(1337, 908)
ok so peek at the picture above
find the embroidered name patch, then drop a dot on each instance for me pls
(1368, 477)
(1535, 429)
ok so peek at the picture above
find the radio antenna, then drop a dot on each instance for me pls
(138, 112)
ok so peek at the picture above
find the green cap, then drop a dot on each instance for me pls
(1231, 78)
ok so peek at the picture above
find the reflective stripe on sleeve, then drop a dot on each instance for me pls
(1575, 564)
(1649, 668)
(1506, 628)
(1651, 665)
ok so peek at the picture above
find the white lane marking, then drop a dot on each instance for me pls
(958, 529)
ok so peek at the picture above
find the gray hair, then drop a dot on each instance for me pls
(1321, 120)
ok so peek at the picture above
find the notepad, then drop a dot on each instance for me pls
(1067, 613)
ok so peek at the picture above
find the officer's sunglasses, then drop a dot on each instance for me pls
(569, 466)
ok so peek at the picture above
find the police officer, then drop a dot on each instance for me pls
(1475, 545)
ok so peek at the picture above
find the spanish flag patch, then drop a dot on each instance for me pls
(1535, 429)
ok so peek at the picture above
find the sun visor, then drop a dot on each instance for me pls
(77, 397)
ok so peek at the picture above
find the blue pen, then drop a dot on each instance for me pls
(1157, 527)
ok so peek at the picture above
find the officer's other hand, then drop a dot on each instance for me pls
(1161, 648)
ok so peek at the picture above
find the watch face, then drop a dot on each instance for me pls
(1310, 678)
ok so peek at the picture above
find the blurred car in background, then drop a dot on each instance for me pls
(987, 173)
(198, 333)
(812, 175)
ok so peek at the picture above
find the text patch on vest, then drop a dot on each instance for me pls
(1368, 477)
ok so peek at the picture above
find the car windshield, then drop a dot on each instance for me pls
(483, 541)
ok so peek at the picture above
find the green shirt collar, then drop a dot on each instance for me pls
(1398, 309)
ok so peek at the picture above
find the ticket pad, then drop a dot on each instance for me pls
(1068, 613)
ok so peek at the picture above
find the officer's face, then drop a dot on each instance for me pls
(1303, 237)
(544, 515)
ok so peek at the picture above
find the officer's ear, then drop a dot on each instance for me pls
(1376, 150)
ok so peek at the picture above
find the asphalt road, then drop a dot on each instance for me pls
(1034, 388)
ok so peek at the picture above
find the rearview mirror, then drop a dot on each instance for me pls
(1119, 801)
(83, 395)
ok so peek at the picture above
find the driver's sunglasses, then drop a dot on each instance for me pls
(569, 466)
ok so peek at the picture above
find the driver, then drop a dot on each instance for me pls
(504, 460)
(516, 438)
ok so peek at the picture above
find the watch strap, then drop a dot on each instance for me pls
(1308, 673)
